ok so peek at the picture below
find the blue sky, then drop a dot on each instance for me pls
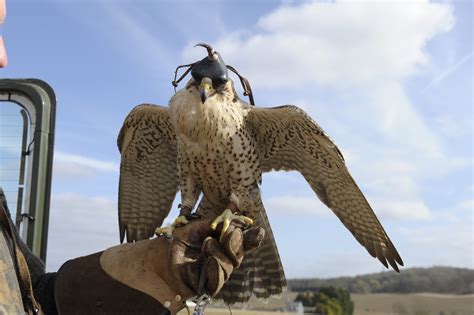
(390, 82)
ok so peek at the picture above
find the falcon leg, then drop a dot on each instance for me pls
(168, 230)
(180, 220)
(226, 218)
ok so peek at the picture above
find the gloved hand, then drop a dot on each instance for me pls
(202, 260)
(157, 274)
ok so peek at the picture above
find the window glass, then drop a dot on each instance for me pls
(12, 131)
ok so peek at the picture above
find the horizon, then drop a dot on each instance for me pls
(383, 271)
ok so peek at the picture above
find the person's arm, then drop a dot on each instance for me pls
(154, 276)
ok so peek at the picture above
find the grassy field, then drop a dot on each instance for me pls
(375, 304)
(225, 311)
(418, 304)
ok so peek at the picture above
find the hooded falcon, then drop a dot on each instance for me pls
(209, 143)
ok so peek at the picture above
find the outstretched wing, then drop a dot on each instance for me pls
(148, 172)
(288, 139)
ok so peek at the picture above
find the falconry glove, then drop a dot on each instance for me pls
(225, 255)
(157, 275)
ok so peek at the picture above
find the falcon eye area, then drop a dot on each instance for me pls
(218, 82)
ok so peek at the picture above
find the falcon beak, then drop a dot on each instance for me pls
(204, 89)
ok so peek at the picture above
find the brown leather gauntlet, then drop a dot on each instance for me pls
(222, 257)
(161, 272)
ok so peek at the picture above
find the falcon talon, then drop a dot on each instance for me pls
(165, 231)
(165, 235)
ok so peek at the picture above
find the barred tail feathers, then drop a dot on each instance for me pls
(261, 272)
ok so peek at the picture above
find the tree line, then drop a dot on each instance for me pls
(414, 280)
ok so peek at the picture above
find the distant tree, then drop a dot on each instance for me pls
(326, 305)
(374, 285)
(341, 296)
(434, 279)
(328, 301)
(360, 286)
(307, 298)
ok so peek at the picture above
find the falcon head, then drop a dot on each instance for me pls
(210, 74)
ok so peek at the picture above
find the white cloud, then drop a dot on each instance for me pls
(386, 208)
(401, 209)
(80, 225)
(393, 115)
(443, 244)
(351, 262)
(336, 43)
(455, 65)
(450, 127)
(74, 165)
(136, 39)
(75, 203)
(66, 170)
(467, 205)
(296, 205)
(391, 181)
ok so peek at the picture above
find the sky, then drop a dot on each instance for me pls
(390, 81)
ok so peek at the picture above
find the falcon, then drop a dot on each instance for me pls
(213, 147)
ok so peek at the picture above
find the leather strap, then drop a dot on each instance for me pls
(32, 305)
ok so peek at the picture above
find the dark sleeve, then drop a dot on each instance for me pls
(74, 295)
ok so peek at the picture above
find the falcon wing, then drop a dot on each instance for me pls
(148, 172)
(289, 139)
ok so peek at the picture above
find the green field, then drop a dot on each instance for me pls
(416, 303)
(373, 304)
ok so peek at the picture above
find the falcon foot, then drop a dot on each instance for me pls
(226, 217)
(168, 230)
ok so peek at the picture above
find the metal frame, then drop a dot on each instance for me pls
(37, 98)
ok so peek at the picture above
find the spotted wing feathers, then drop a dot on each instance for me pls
(288, 139)
(148, 172)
